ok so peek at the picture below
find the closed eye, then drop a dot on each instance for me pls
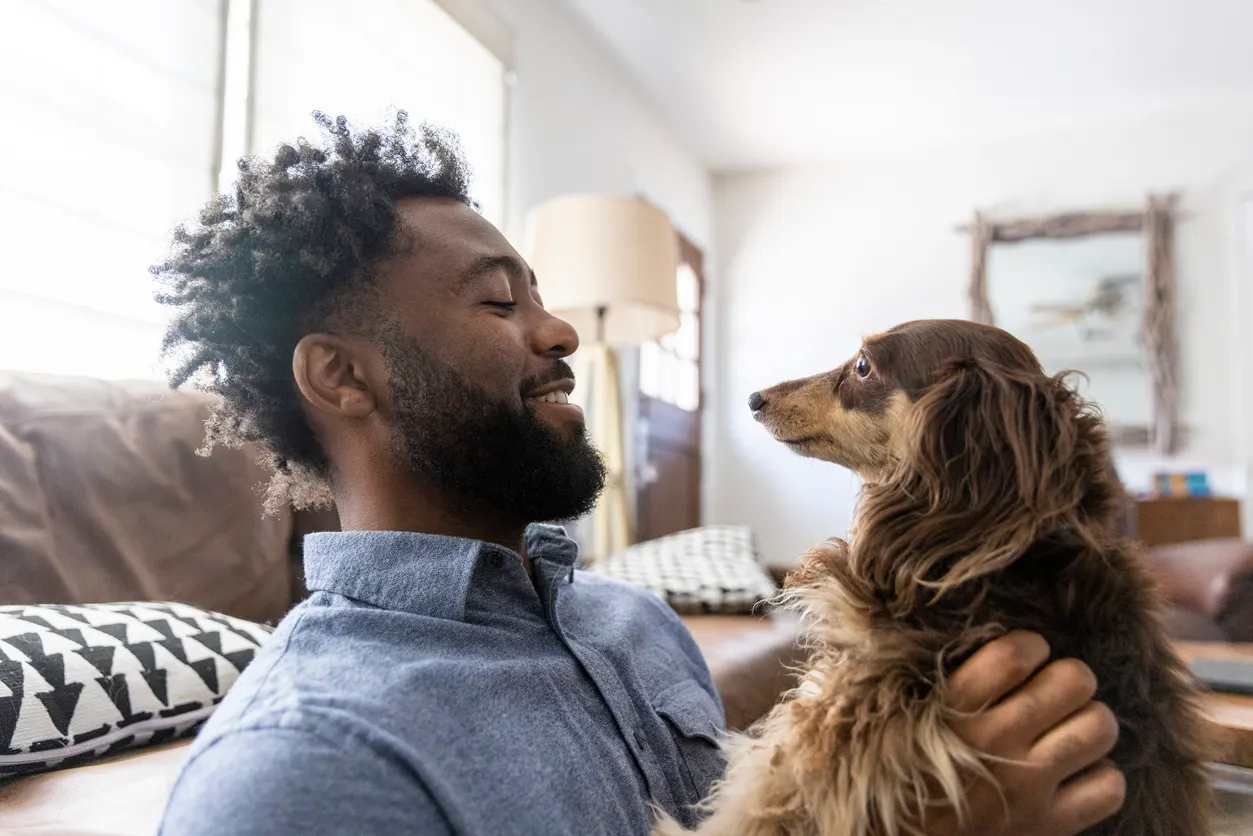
(505, 306)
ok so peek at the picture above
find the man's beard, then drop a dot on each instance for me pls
(486, 450)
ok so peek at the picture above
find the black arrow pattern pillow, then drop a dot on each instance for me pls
(79, 682)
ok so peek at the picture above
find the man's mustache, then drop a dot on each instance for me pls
(559, 370)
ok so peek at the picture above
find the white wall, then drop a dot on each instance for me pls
(811, 259)
(578, 122)
(1243, 273)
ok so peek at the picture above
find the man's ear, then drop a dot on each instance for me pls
(335, 376)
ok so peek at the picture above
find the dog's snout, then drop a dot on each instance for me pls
(756, 401)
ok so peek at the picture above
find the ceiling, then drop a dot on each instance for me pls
(776, 82)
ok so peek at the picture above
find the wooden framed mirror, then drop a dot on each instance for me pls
(1092, 292)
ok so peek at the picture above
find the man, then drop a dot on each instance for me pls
(451, 673)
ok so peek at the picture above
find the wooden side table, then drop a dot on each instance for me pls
(1166, 520)
(1230, 716)
(1230, 719)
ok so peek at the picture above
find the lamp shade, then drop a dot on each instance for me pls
(603, 252)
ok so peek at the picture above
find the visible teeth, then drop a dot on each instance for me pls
(554, 397)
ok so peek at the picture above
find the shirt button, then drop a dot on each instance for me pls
(495, 560)
(640, 739)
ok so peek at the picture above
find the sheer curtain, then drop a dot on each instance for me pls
(109, 138)
(117, 116)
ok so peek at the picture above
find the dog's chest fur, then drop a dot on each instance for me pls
(1100, 608)
(868, 734)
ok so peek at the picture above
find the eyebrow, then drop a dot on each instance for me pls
(871, 348)
(488, 265)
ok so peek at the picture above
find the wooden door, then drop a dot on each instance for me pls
(668, 439)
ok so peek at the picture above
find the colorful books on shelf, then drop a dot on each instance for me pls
(1181, 485)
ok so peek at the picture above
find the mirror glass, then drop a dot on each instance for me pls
(1079, 302)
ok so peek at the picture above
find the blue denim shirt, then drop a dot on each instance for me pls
(427, 687)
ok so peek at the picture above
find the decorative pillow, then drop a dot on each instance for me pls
(711, 569)
(79, 682)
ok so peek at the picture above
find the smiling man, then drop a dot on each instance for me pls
(451, 673)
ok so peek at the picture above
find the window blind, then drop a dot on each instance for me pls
(110, 112)
(117, 115)
(368, 58)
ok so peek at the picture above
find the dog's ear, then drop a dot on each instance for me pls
(986, 436)
(991, 459)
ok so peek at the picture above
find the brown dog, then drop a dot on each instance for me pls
(989, 504)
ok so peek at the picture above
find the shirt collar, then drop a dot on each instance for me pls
(426, 574)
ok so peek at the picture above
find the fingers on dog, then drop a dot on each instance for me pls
(1083, 739)
(1052, 695)
(1088, 799)
(1011, 659)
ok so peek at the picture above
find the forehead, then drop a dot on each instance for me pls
(924, 344)
(901, 357)
(440, 239)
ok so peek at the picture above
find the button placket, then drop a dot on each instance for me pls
(611, 689)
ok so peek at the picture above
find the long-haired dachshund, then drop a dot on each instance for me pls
(989, 504)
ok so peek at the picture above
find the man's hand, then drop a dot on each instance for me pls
(1047, 723)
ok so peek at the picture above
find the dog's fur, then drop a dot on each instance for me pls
(989, 504)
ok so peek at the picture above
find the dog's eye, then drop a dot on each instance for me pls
(862, 366)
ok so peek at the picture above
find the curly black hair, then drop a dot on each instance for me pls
(287, 253)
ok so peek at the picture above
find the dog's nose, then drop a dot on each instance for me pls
(756, 401)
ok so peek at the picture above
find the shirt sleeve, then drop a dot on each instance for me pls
(279, 781)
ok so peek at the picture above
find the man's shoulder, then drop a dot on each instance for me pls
(277, 777)
(320, 654)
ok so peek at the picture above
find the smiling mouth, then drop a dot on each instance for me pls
(551, 397)
(555, 392)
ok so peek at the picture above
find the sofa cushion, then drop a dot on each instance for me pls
(79, 682)
(711, 569)
(104, 498)
(1201, 575)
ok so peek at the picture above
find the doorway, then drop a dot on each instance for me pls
(668, 423)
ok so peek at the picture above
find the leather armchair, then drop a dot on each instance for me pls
(1209, 587)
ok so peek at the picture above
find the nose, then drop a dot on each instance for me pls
(756, 401)
(554, 337)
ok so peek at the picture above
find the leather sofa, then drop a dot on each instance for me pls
(1207, 584)
(104, 498)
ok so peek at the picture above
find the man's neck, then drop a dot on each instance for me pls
(423, 509)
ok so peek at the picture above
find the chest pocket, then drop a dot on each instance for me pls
(695, 722)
